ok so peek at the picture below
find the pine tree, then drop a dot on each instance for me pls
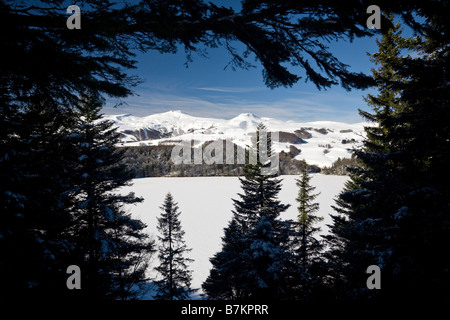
(130, 252)
(364, 229)
(422, 155)
(175, 282)
(393, 212)
(34, 214)
(226, 277)
(308, 249)
(115, 247)
(256, 240)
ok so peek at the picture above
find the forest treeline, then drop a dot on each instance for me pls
(155, 161)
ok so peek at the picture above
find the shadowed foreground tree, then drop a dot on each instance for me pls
(394, 212)
(111, 247)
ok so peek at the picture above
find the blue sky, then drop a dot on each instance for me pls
(204, 88)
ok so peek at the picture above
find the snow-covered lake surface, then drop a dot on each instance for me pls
(205, 205)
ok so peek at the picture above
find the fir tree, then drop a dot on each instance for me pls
(420, 132)
(225, 279)
(365, 227)
(175, 282)
(34, 214)
(307, 248)
(256, 241)
(113, 243)
(393, 212)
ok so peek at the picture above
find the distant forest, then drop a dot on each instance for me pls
(155, 161)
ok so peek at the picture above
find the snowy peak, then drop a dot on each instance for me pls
(172, 114)
(247, 116)
(176, 112)
(245, 121)
(119, 117)
(320, 143)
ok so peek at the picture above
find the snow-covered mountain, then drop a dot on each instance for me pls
(318, 142)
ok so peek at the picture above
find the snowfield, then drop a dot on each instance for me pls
(205, 204)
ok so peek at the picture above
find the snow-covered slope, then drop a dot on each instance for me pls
(319, 142)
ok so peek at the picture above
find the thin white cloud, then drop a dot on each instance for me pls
(226, 103)
(300, 109)
(231, 89)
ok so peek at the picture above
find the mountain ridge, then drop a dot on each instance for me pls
(318, 142)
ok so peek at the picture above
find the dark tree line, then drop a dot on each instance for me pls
(155, 161)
